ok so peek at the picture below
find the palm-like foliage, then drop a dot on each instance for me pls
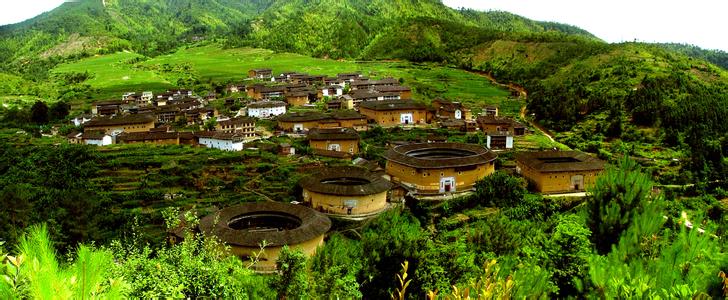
(36, 272)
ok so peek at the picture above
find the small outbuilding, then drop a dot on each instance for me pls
(346, 190)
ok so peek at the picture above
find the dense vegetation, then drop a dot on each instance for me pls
(629, 238)
(520, 245)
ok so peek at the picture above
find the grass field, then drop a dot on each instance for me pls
(113, 74)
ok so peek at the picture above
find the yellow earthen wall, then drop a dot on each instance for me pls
(557, 182)
(393, 117)
(334, 204)
(270, 254)
(126, 128)
(427, 181)
(345, 145)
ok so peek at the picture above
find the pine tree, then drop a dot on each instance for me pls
(620, 194)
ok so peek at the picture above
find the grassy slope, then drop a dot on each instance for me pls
(212, 63)
(114, 75)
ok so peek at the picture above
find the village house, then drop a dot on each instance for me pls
(81, 119)
(299, 98)
(501, 124)
(559, 171)
(286, 149)
(75, 137)
(129, 123)
(199, 115)
(307, 79)
(221, 140)
(350, 77)
(395, 112)
(334, 82)
(439, 168)
(301, 121)
(235, 88)
(368, 84)
(345, 191)
(334, 140)
(490, 110)
(360, 96)
(402, 91)
(260, 91)
(167, 114)
(241, 125)
(140, 99)
(331, 91)
(260, 73)
(446, 109)
(459, 125)
(266, 109)
(343, 102)
(157, 138)
(304, 121)
(106, 108)
(499, 140)
(97, 138)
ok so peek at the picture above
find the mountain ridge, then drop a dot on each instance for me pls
(307, 27)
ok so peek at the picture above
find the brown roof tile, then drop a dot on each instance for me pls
(440, 155)
(392, 105)
(313, 225)
(339, 181)
(560, 161)
(331, 134)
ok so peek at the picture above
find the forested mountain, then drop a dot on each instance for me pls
(332, 28)
(717, 57)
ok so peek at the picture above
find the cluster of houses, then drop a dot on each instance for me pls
(147, 119)
(424, 170)
(353, 103)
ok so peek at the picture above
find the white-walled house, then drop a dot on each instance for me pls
(221, 140)
(80, 120)
(97, 138)
(332, 91)
(266, 109)
(499, 140)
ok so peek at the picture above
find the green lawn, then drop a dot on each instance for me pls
(113, 75)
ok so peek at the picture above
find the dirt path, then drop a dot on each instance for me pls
(247, 189)
(524, 95)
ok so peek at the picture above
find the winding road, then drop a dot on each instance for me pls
(524, 95)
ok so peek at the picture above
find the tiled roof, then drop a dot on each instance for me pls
(324, 181)
(235, 137)
(237, 121)
(313, 225)
(325, 134)
(302, 116)
(123, 120)
(392, 105)
(457, 155)
(560, 161)
(266, 104)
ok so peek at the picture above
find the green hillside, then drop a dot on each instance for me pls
(321, 28)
